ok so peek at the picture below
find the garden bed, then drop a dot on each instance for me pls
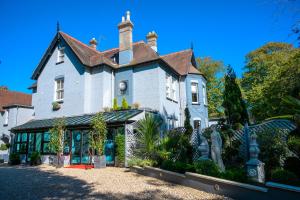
(221, 186)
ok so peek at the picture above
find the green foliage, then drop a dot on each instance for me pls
(292, 164)
(177, 166)
(14, 159)
(271, 73)
(124, 103)
(207, 167)
(120, 148)
(140, 162)
(294, 144)
(284, 177)
(35, 158)
(56, 136)
(234, 105)
(55, 105)
(3, 147)
(147, 137)
(213, 71)
(273, 149)
(115, 104)
(98, 133)
(235, 174)
(187, 122)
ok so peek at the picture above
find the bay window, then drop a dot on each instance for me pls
(195, 92)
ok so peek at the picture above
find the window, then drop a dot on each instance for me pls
(171, 87)
(61, 55)
(168, 86)
(45, 144)
(204, 94)
(197, 124)
(21, 143)
(195, 92)
(59, 89)
(6, 115)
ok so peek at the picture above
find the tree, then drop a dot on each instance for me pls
(98, 133)
(147, 137)
(213, 71)
(187, 122)
(234, 105)
(57, 138)
(272, 73)
(124, 103)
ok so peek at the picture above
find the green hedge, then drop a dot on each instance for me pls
(120, 149)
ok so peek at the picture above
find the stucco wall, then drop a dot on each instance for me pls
(124, 74)
(198, 111)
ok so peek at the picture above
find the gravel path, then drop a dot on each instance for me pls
(46, 182)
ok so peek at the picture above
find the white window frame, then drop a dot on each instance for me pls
(204, 94)
(6, 117)
(168, 86)
(61, 55)
(174, 88)
(197, 119)
(197, 91)
(60, 90)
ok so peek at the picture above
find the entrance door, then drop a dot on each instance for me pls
(80, 147)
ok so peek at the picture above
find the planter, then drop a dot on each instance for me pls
(66, 160)
(99, 162)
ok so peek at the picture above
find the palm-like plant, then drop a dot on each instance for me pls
(147, 137)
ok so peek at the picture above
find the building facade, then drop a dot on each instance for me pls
(77, 80)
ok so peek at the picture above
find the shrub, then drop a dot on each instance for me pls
(207, 167)
(284, 177)
(294, 144)
(14, 159)
(35, 158)
(140, 162)
(136, 105)
(124, 103)
(235, 174)
(3, 147)
(292, 164)
(115, 104)
(176, 166)
(120, 149)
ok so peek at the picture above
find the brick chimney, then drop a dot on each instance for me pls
(93, 43)
(125, 40)
(152, 40)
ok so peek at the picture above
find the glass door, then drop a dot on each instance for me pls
(76, 147)
(80, 147)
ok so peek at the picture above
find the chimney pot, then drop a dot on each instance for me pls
(152, 40)
(93, 43)
(127, 16)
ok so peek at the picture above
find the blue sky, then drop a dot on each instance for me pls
(223, 31)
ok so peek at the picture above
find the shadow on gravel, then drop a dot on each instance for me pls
(23, 182)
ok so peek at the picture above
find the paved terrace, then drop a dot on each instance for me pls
(46, 182)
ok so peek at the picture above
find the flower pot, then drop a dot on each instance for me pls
(99, 162)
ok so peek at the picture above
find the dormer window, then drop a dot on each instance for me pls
(61, 55)
(59, 89)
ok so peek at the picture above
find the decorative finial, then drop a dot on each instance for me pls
(57, 27)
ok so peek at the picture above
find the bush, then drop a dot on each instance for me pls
(3, 147)
(140, 162)
(294, 144)
(176, 166)
(235, 174)
(115, 104)
(292, 164)
(207, 167)
(124, 103)
(120, 149)
(285, 177)
(14, 159)
(35, 158)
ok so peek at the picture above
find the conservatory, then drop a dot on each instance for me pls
(34, 136)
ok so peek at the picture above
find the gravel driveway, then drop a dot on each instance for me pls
(46, 182)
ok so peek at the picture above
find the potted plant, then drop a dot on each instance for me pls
(55, 106)
(56, 140)
(97, 140)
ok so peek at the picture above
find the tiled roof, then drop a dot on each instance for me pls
(8, 98)
(181, 62)
(82, 120)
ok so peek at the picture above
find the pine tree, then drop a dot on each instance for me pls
(115, 104)
(124, 103)
(234, 105)
(187, 122)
